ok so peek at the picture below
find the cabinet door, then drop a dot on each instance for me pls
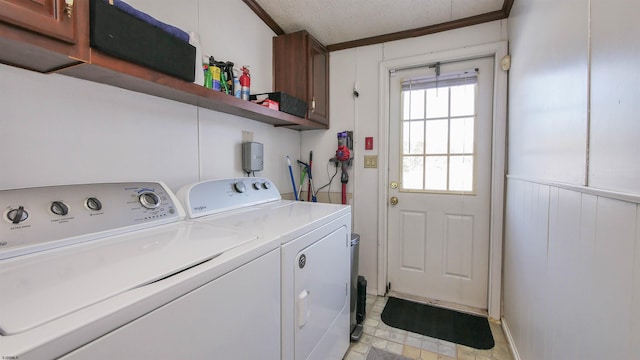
(47, 17)
(301, 69)
(290, 65)
(318, 83)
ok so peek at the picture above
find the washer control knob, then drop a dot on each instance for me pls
(149, 200)
(59, 208)
(239, 187)
(257, 186)
(266, 185)
(93, 204)
(18, 215)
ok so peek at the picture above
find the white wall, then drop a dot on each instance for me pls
(361, 66)
(228, 30)
(549, 49)
(572, 245)
(615, 53)
(64, 130)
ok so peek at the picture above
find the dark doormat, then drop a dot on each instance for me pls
(444, 324)
(379, 354)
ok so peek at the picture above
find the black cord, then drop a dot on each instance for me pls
(328, 184)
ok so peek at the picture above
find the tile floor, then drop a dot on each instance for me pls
(416, 346)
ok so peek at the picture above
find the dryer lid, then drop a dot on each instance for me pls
(283, 219)
(41, 287)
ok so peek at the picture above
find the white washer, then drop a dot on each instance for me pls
(104, 271)
(315, 266)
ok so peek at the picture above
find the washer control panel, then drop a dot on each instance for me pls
(35, 219)
(214, 196)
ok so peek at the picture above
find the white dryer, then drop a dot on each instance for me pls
(315, 257)
(105, 271)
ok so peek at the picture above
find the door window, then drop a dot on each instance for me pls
(438, 132)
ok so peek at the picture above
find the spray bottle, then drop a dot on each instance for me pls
(215, 74)
(224, 86)
(236, 84)
(245, 83)
(208, 79)
(229, 76)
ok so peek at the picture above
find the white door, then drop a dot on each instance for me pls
(322, 275)
(440, 182)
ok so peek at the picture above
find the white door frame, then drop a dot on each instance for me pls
(498, 164)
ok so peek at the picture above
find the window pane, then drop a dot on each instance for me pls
(436, 173)
(461, 176)
(417, 104)
(405, 137)
(412, 172)
(406, 105)
(462, 135)
(463, 100)
(437, 103)
(413, 137)
(437, 137)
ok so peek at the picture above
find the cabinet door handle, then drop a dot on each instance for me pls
(68, 8)
(313, 104)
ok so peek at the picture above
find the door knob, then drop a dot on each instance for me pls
(394, 185)
(393, 200)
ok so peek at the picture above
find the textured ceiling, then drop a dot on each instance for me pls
(339, 21)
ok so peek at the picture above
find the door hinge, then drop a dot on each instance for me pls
(388, 288)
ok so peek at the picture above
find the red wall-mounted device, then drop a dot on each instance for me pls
(368, 143)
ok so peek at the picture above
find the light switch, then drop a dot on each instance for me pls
(371, 161)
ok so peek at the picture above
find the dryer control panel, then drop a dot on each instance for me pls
(36, 219)
(214, 196)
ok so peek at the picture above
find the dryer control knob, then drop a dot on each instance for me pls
(149, 200)
(266, 185)
(18, 215)
(257, 186)
(239, 187)
(93, 204)
(59, 208)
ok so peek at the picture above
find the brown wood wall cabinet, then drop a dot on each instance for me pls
(42, 36)
(48, 36)
(301, 69)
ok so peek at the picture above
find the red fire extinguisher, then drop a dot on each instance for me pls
(245, 83)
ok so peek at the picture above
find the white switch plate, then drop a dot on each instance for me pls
(371, 161)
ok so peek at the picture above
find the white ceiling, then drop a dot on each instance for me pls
(338, 21)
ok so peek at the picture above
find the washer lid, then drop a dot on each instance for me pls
(44, 286)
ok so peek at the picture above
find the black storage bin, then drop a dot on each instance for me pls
(361, 306)
(121, 35)
(289, 104)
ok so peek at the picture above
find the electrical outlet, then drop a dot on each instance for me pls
(371, 161)
(247, 136)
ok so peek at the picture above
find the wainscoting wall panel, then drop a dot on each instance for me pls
(572, 273)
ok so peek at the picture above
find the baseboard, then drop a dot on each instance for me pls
(512, 344)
